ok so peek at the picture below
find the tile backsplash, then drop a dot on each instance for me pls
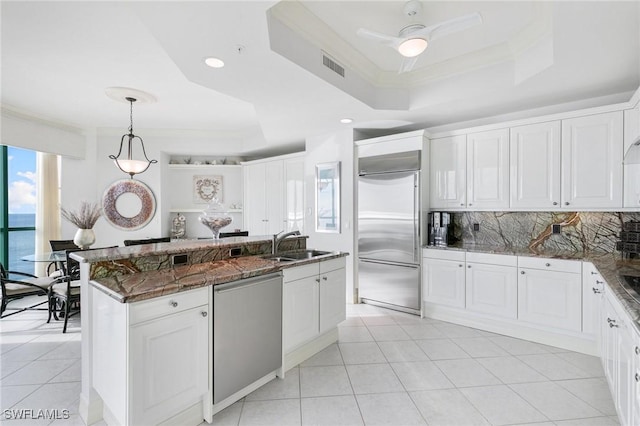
(579, 231)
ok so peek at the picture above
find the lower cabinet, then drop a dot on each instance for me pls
(444, 277)
(550, 293)
(150, 358)
(592, 292)
(314, 301)
(492, 285)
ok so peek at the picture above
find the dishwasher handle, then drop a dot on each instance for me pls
(248, 282)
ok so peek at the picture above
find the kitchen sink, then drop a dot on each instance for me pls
(290, 256)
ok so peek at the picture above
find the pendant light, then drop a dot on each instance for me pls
(129, 165)
(633, 153)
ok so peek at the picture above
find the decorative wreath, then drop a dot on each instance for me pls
(139, 189)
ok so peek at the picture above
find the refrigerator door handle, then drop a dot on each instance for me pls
(382, 262)
(416, 216)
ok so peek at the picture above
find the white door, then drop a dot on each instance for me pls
(534, 152)
(301, 311)
(550, 298)
(255, 199)
(592, 161)
(444, 282)
(488, 169)
(168, 365)
(492, 289)
(274, 194)
(448, 169)
(294, 195)
(333, 306)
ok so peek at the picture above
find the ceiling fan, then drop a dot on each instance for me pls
(414, 39)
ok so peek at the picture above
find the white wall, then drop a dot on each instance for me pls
(337, 146)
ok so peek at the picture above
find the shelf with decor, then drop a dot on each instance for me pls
(191, 210)
(205, 166)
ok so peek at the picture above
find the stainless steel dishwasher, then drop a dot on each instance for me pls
(247, 332)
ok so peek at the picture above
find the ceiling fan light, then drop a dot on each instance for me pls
(412, 47)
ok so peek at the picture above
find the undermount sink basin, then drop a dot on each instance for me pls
(291, 256)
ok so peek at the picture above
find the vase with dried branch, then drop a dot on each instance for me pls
(84, 218)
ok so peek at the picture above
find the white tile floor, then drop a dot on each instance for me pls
(388, 368)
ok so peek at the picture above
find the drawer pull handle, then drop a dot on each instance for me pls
(522, 272)
(461, 204)
(174, 303)
(594, 273)
(547, 264)
(566, 203)
(324, 278)
(637, 350)
(555, 203)
(469, 266)
(609, 320)
(204, 313)
(317, 280)
(612, 323)
(637, 377)
(599, 282)
(460, 265)
(596, 291)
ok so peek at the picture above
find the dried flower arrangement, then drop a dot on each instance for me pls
(86, 217)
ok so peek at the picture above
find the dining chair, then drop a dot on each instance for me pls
(64, 295)
(59, 267)
(27, 285)
(147, 241)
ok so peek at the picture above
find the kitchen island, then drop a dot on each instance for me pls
(157, 321)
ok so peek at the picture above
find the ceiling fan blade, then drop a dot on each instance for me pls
(407, 64)
(379, 37)
(451, 26)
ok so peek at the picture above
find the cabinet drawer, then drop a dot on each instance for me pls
(493, 259)
(559, 265)
(332, 265)
(443, 254)
(299, 272)
(166, 305)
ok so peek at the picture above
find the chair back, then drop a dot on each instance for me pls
(147, 241)
(73, 266)
(58, 245)
(234, 234)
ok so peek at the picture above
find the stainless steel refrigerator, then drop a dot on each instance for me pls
(389, 231)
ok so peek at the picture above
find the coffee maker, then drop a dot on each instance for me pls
(439, 228)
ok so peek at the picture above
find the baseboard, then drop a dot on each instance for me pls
(90, 410)
(585, 344)
(309, 349)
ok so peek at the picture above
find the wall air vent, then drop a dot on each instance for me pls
(328, 62)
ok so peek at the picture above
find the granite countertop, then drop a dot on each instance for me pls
(147, 285)
(610, 266)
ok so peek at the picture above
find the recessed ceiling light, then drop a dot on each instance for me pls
(346, 120)
(214, 62)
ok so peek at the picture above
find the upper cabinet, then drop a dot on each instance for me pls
(274, 195)
(567, 164)
(535, 166)
(448, 172)
(592, 161)
(488, 169)
(470, 171)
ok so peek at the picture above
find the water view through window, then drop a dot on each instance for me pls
(21, 197)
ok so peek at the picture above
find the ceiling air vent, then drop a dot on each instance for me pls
(328, 62)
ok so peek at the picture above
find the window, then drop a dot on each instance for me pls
(17, 207)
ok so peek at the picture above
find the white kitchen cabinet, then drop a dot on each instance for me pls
(444, 278)
(631, 171)
(535, 153)
(448, 170)
(592, 291)
(550, 296)
(274, 195)
(168, 365)
(492, 284)
(592, 161)
(314, 301)
(488, 169)
(150, 358)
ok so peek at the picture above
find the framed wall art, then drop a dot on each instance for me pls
(206, 188)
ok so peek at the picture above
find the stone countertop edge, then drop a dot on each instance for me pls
(610, 266)
(152, 284)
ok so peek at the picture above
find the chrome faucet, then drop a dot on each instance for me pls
(277, 239)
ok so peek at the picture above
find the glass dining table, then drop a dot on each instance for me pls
(48, 256)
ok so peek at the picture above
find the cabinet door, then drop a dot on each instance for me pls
(294, 195)
(333, 306)
(534, 152)
(609, 346)
(592, 291)
(492, 289)
(592, 161)
(550, 298)
(631, 171)
(625, 382)
(255, 199)
(301, 311)
(444, 282)
(488, 169)
(168, 365)
(448, 169)
(274, 188)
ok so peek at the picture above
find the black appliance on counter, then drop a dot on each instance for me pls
(439, 223)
